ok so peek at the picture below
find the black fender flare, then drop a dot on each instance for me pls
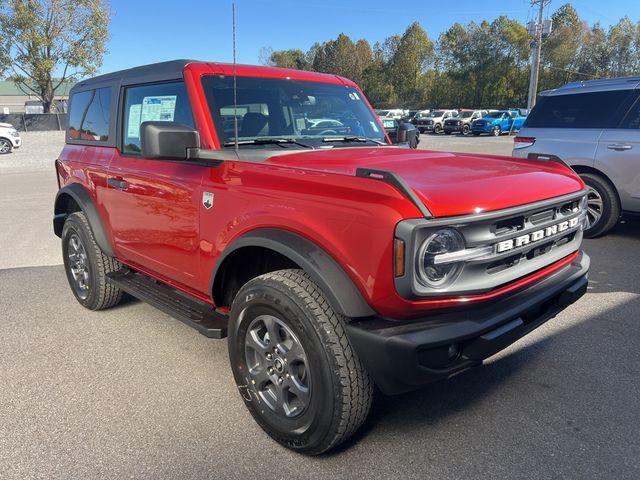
(341, 292)
(83, 199)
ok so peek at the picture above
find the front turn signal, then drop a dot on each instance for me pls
(399, 258)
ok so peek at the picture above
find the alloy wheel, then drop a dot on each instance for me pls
(79, 266)
(594, 207)
(278, 366)
(5, 146)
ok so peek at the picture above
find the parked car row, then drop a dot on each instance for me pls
(463, 121)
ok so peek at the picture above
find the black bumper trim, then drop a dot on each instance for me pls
(404, 355)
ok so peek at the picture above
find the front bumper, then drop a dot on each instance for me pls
(452, 128)
(17, 142)
(402, 356)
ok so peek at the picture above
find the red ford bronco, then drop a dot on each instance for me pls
(267, 205)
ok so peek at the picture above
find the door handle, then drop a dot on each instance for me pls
(118, 183)
(619, 146)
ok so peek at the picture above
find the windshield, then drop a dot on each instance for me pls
(437, 113)
(383, 113)
(466, 114)
(272, 108)
(495, 114)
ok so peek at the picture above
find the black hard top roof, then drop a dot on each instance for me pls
(146, 73)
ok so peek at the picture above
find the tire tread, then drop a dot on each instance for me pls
(356, 388)
(106, 294)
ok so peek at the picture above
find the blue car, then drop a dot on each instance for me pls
(496, 123)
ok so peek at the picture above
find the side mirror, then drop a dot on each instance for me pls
(167, 140)
(407, 133)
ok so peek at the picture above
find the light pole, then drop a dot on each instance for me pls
(537, 30)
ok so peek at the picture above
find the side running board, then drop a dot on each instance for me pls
(191, 311)
(397, 181)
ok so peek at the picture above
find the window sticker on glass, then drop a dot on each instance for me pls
(133, 127)
(374, 127)
(158, 109)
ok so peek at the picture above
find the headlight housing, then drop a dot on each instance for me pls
(434, 275)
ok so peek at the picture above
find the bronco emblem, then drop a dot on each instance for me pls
(207, 200)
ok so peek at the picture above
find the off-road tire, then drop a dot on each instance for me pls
(101, 293)
(340, 390)
(610, 211)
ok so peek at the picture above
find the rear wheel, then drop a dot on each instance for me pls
(87, 266)
(5, 146)
(294, 365)
(603, 205)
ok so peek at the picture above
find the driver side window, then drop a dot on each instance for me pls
(160, 102)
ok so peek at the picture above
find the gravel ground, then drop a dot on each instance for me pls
(132, 393)
(38, 152)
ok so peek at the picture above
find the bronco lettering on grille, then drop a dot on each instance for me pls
(538, 235)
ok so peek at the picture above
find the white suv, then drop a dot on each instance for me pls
(594, 127)
(9, 138)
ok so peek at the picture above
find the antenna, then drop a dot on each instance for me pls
(235, 87)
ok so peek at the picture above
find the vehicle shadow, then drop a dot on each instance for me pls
(612, 259)
(566, 379)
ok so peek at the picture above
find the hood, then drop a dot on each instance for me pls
(487, 120)
(6, 125)
(449, 184)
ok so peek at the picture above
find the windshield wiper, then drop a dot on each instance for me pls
(267, 141)
(353, 139)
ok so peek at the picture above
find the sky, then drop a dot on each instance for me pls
(148, 31)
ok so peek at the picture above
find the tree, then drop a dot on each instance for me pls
(409, 61)
(50, 42)
(294, 58)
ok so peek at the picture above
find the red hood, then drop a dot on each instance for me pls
(449, 183)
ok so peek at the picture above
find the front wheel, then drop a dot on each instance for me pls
(465, 130)
(5, 146)
(496, 131)
(603, 205)
(294, 365)
(437, 129)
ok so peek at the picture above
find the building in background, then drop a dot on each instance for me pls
(15, 100)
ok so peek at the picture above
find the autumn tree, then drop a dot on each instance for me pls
(49, 42)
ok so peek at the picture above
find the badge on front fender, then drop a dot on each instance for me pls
(207, 200)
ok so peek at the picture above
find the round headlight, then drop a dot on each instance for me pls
(442, 274)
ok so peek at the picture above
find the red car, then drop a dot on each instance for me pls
(331, 259)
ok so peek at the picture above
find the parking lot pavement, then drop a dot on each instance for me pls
(130, 392)
(501, 145)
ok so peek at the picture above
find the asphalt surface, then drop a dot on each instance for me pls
(131, 393)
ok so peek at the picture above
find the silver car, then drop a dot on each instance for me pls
(593, 126)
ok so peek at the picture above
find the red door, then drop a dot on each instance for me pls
(154, 210)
